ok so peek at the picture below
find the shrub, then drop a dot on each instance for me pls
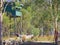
(35, 31)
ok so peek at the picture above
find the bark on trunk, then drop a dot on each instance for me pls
(1, 3)
(55, 13)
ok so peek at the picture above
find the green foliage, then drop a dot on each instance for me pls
(17, 4)
(35, 14)
(35, 31)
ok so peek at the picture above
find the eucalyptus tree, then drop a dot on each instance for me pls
(55, 14)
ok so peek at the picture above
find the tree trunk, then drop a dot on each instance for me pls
(55, 13)
(1, 3)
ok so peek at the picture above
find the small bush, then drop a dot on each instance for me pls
(35, 31)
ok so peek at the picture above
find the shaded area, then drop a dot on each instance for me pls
(36, 43)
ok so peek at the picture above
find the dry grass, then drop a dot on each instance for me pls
(43, 38)
(35, 38)
(7, 38)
